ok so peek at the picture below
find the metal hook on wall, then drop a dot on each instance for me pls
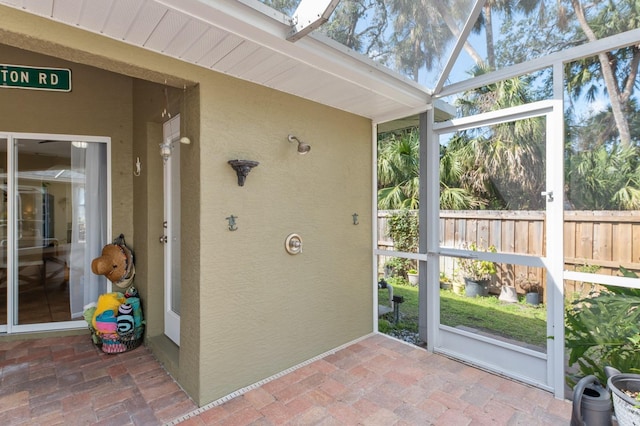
(138, 168)
(232, 222)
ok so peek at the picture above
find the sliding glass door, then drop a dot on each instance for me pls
(53, 221)
(3, 234)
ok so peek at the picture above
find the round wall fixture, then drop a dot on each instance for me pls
(293, 244)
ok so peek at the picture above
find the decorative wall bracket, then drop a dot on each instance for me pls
(232, 223)
(242, 168)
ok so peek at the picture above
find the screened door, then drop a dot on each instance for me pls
(497, 253)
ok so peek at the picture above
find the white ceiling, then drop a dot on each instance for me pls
(247, 40)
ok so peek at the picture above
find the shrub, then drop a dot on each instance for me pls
(403, 229)
(603, 329)
(477, 270)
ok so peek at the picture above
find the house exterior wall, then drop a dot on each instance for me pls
(249, 309)
(263, 310)
(99, 105)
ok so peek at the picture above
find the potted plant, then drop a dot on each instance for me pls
(393, 267)
(412, 276)
(625, 390)
(531, 287)
(476, 273)
(458, 287)
(445, 281)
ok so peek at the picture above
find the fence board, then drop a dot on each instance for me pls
(608, 239)
(621, 241)
(635, 242)
(508, 235)
(602, 243)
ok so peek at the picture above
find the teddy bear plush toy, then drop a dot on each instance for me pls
(115, 263)
(116, 319)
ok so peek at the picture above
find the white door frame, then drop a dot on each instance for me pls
(12, 232)
(544, 370)
(171, 231)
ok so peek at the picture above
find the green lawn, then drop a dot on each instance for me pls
(515, 321)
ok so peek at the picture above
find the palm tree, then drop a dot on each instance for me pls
(420, 35)
(398, 175)
(573, 22)
(505, 162)
(455, 192)
(398, 170)
(604, 178)
(506, 8)
(618, 71)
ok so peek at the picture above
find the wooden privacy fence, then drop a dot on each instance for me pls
(594, 241)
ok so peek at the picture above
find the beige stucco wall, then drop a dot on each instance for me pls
(100, 104)
(264, 310)
(249, 310)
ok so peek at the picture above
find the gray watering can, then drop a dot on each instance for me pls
(591, 404)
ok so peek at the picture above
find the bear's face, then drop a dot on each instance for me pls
(113, 263)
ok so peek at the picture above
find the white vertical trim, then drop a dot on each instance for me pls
(109, 200)
(374, 220)
(4, 327)
(423, 228)
(555, 233)
(171, 136)
(12, 272)
(430, 216)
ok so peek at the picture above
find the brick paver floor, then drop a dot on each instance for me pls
(68, 381)
(382, 381)
(376, 381)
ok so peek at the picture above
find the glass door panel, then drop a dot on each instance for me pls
(41, 287)
(3, 233)
(60, 226)
(171, 238)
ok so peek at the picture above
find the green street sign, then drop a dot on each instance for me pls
(23, 77)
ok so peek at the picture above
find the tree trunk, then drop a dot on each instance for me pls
(446, 16)
(488, 28)
(615, 97)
